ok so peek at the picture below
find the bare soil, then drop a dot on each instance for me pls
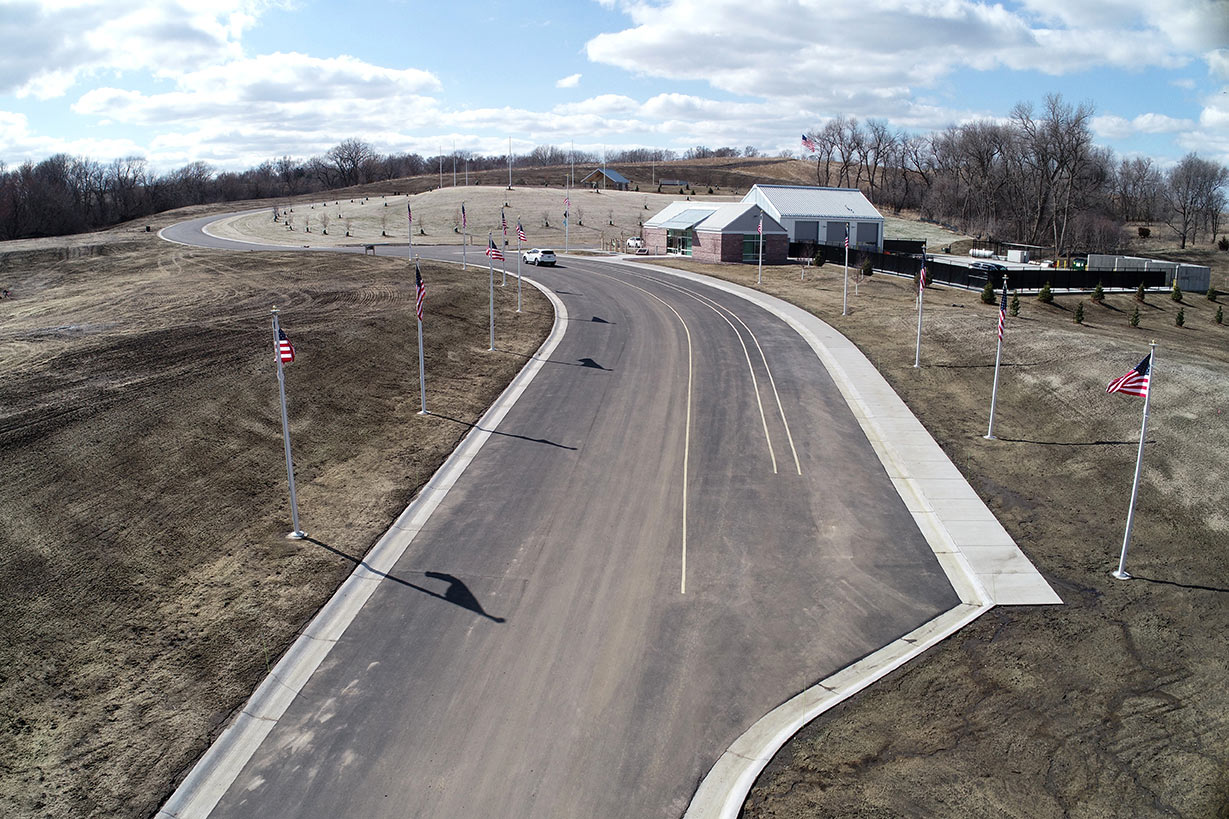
(147, 585)
(1114, 704)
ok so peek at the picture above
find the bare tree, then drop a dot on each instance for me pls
(351, 159)
(1193, 190)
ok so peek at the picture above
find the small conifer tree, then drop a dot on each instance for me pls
(1211, 293)
(1180, 319)
(1079, 313)
(867, 268)
(1098, 293)
(1220, 315)
(1015, 303)
(1139, 293)
(1176, 293)
(1135, 317)
(1044, 295)
(987, 293)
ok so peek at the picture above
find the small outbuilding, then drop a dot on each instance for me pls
(716, 232)
(606, 179)
(821, 216)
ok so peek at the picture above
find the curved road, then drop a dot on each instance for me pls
(678, 526)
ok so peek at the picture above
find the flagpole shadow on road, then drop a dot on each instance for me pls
(505, 434)
(457, 592)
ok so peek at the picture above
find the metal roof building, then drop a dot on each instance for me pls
(712, 231)
(820, 215)
(608, 178)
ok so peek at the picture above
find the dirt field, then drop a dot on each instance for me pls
(147, 584)
(1113, 705)
(381, 218)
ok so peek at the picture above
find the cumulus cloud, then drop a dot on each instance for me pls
(50, 46)
(570, 81)
(872, 57)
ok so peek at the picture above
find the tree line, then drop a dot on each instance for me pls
(1035, 178)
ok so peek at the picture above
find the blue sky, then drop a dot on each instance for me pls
(235, 82)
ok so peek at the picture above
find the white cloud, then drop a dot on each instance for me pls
(871, 57)
(50, 46)
(570, 81)
(1110, 126)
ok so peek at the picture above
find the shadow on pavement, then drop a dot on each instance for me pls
(457, 592)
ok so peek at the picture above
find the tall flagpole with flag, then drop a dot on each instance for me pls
(567, 205)
(503, 223)
(283, 353)
(845, 293)
(492, 253)
(921, 291)
(520, 237)
(464, 223)
(409, 216)
(998, 356)
(420, 296)
(759, 274)
(1135, 382)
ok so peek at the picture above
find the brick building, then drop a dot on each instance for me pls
(716, 232)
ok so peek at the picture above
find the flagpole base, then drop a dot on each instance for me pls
(296, 535)
(1121, 574)
(423, 412)
(989, 437)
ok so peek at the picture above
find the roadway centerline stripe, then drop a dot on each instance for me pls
(715, 305)
(755, 382)
(687, 426)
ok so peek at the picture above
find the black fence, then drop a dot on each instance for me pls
(959, 275)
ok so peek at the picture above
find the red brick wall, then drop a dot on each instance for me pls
(655, 240)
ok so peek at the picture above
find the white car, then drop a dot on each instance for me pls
(539, 256)
(635, 243)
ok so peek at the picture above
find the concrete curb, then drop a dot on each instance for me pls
(981, 561)
(213, 774)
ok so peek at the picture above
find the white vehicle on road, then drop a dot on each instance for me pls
(635, 243)
(539, 256)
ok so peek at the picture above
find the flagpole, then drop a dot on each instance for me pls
(490, 264)
(518, 264)
(298, 533)
(464, 230)
(409, 216)
(921, 290)
(998, 355)
(1121, 572)
(422, 378)
(845, 292)
(509, 163)
(759, 274)
(504, 223)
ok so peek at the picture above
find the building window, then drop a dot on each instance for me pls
(751, 247)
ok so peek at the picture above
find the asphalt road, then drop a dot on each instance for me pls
(677, 527)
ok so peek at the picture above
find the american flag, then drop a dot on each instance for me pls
(420, 291)
(409, 212)
(760, 227)
(847, 236)
(463, 222)
(1003, 312)
(493, 251)
(1135, 382)
(503, 221)
(921, 279)
(567, 202)
(520, 232)
(808, 143)
(285, 350)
